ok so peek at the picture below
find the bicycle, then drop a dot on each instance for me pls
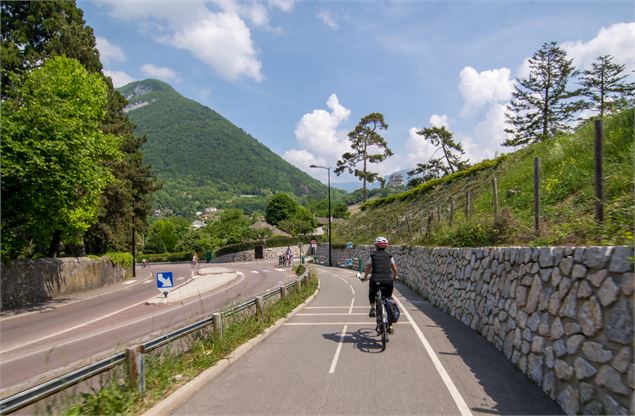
(381, 316)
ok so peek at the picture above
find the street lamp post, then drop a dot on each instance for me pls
(328, 169)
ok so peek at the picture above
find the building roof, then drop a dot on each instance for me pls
(264, 224)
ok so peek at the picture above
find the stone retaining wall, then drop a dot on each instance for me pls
(29, 281)
(268, 253)
(562, 315)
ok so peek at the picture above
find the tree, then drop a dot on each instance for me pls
(362, 139)
(54, 157)
(280, 207)
(448, 162)
(32, 33)
(604, 87)
(542, 105)
(231, 228)
(299, 224)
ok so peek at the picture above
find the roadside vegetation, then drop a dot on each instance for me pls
(168, 371)
(421, 216)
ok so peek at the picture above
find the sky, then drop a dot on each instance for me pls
(299, 75)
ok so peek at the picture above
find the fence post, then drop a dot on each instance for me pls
(468, 204)
(136, 367)
(599, 203)
(260, 307)
(451, 210)
(536, 194)
(283, 291)
(409, 227)
(217, 320)
(495, 196)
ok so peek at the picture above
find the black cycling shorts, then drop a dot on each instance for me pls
(386, 287)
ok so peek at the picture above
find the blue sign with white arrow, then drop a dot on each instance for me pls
(165, 280)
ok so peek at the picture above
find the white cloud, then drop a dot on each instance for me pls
(418, 150)
(320, 137)
(482, 88)
(223, 41)
(284, 5)
(119, 78)
(327, 19)
(109, 52)
(439, 120)
(617, 40)
(162, 73)
(302, 159)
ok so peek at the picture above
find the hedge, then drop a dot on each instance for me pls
(166, 257)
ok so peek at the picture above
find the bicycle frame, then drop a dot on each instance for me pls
(381, 316)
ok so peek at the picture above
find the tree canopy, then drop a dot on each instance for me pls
(363, 140)
(54, 156)
(604, 87)
(542, 105)
(449, 161)
(280, 207)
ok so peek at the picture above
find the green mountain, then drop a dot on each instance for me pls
(202, 159)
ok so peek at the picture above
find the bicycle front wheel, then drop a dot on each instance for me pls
(383, 326)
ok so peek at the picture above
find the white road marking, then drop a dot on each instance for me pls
(339, 349)
(280, 270)
(350, 310)
(449, 384)
(266, 270)
(148, 281)
(333, 307)
(255, 272)
(128, 282)
(180, 278)
(349, 285)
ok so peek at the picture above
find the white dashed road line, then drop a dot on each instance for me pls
(339, 349)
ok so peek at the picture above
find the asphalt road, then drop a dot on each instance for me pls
(327, 360)
(38, 342)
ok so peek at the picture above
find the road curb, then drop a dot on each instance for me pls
(189, 389)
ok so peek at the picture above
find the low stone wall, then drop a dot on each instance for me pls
(562, 315)
(30, 281)
(268, 254)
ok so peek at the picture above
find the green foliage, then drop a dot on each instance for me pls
(166, 257)
(449, 161)
(567, 197)
(164, 234)
(232, 228)
(541, 106)
(365, 135)
(121, 259)
(280, 207)
(432, 184)
(269, 243)
(604, 88)
(53, 157)
(300, 223)
(229, 162)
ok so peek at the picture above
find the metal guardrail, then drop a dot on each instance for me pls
(41, 391)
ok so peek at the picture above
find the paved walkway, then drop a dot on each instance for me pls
(327, 360)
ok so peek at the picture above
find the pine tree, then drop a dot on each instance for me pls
(448, 162)
(604, 87)
(542, 105)
(361, 139)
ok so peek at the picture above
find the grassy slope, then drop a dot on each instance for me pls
(567, 198)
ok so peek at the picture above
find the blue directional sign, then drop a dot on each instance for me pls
(349, 262)
(165, 280)
(349, 244)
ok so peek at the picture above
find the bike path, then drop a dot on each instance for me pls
(327, 359)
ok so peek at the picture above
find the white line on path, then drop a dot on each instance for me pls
(128, 282)
(148, 281)
(350, 310)
(454, 392)
(349, 285)
(255, 272)
(339, 348)
(333, 307)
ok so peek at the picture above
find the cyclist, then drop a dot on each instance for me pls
(194, 260)
(383, 272)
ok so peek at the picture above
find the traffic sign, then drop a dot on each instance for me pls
(164, 280)
(349, 244)
(349, 262)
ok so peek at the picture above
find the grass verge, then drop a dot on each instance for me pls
(168, 371)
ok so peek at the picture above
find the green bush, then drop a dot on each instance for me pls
(120, 259)
(166, 257)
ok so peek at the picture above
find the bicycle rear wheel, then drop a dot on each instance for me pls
(382, 325)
